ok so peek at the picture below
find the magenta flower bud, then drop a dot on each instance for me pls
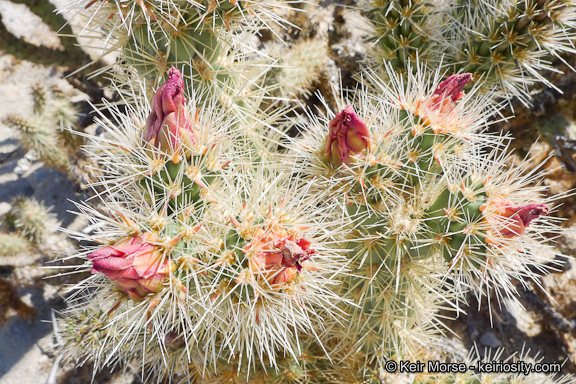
(449, 92)
(348, 136)
(516, 219)
(135, 264)
(168, 125)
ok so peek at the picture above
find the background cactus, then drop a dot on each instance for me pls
(298, 68)
(515, 43)
(406, 31)
(506, 45)
(52, 131)
(13, 244)
(40, 138)
(32, 219)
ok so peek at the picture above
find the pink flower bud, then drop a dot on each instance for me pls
(348, 136)
(438, 109)
(276, 257)
(135, 264)
(513, 221)
(449, 92)
(168, 125)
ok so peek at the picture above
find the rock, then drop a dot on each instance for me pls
(489, 339)
(21, 358)
(8, 143)
(22, 23)
(5, 208)
(22, 166)
(526, 321)
(43, 180)
(51, 292)
(11, 184)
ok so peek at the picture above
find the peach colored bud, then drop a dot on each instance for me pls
(135, 264)
(348, 136)
(168, 125)
(516, 219)
(277, 257)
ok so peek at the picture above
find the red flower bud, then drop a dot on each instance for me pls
(512, 221)
(169, 122)
(348, 136)
(134, 263)
(449, 92)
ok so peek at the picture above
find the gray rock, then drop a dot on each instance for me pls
(24, 24)
(489, 339)
(22, 167)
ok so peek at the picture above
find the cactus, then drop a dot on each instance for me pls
(514, 41)
(230, 251)
(39, 96)
(405, 31)
(39, 137)
(57, 92)
(33, 219)
(12, 244)
(240, 253)
(51, 130)
(210, 39)
(230, 285)
(506, 45)
(298, 68)
(412, 174)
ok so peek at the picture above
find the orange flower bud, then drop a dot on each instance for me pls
(135, 264)
(348, 136)
(277, 257)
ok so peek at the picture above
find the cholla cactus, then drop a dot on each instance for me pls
(40, 137)
(298, 68)
(513, 41)
(505, 44)
(222, 258)
(495, 222)
(33, 219)
(406, 31)
(13, 244)
(210, 39)
(51, 131)
(243, 280)
(174, 147)
(407, 165)
(39, 96)
(246, 260)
